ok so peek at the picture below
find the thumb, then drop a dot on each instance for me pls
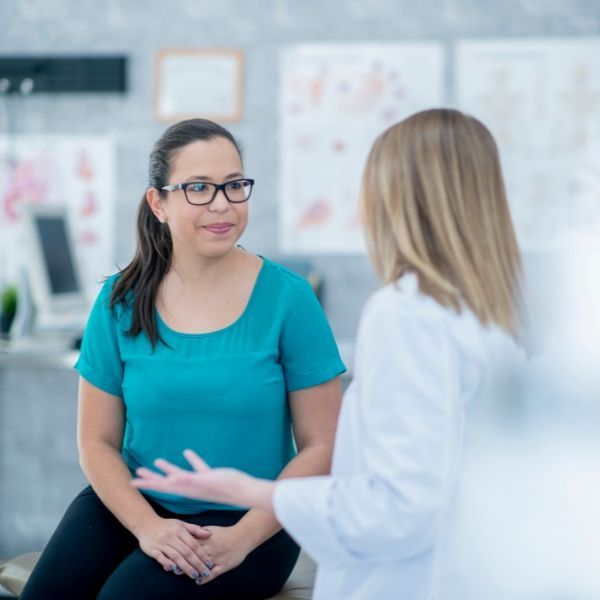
(198, 531)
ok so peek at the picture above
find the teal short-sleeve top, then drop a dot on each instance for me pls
(223, 394)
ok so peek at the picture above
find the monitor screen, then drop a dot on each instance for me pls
(51, 266)
(56, 250)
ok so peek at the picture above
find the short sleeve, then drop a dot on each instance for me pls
(100, 360)
(309, 354)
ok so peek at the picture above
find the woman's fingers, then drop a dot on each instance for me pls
(214, 573)
(173, 470)
(194, 546)
(175, 479)
(169, 468)
(143, 481)
(177, 547)
(196, 462)
(181, 563)
(188, 561)
(147, 473)
(166, 563)
(171, 563)
(197, 531)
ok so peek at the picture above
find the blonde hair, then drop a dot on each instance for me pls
(434, 203)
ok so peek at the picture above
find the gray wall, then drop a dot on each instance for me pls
(38, 470)
(139, 28)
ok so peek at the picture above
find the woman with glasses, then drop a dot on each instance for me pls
(195, 344)
(440, 235)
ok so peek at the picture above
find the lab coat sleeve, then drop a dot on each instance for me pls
(392, 507)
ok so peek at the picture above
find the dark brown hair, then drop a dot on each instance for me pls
(139, 281)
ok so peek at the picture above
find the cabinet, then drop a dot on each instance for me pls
(39, 469)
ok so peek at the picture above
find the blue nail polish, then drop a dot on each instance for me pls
(198, 581)
(209, 564)
(195, 575)
(206, 573)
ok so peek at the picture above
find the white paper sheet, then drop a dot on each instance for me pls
(541, 100)
(77, 172)
(335, 99)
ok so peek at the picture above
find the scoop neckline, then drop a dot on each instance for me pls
(162, 323)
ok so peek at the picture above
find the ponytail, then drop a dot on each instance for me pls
(143, 275)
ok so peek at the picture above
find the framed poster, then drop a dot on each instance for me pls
(334, 100)
(199, 83)
(540, 97)
(77, 172)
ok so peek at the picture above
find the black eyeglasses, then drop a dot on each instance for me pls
(203, 192)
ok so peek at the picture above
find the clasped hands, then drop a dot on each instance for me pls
(202, 553)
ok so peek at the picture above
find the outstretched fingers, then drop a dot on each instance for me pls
(173, 479)
(144, 482)
(149, 479)
(169, 468)
(195, 461)
(147, 473)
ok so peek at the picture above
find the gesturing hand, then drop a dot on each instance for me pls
(228, 486)
(176, 545)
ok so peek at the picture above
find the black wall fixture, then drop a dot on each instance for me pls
(57, 74)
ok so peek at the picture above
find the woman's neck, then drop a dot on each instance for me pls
(205, 272)
(209, 296)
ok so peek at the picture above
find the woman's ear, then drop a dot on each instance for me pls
(155, 202)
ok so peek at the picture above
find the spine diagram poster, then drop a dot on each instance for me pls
(541, 100)
(77, 172)
(335, 99)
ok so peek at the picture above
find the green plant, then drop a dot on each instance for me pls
(8, 302)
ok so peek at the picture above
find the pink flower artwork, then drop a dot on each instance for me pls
(89, 204)
(317, 213)
(365, 96)
(84, 168)
(87, 238)
(29, 183)
(339, 146)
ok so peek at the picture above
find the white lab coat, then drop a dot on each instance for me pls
(378, 526)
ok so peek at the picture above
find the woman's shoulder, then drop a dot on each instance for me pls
(107, 285)
(104, 299)
(284, 278)
(110, 281)
(403, 299)
(402, 305)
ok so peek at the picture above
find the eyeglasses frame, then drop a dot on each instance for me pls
(218, 187)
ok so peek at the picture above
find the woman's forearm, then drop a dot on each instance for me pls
(108, 474)
(312, 460)
(259, 523)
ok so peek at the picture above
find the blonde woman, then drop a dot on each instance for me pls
(440, 236)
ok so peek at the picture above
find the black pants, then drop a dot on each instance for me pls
(91, 555)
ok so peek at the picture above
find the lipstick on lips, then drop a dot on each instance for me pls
(219, 228)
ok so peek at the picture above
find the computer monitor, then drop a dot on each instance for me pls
(51, 267)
